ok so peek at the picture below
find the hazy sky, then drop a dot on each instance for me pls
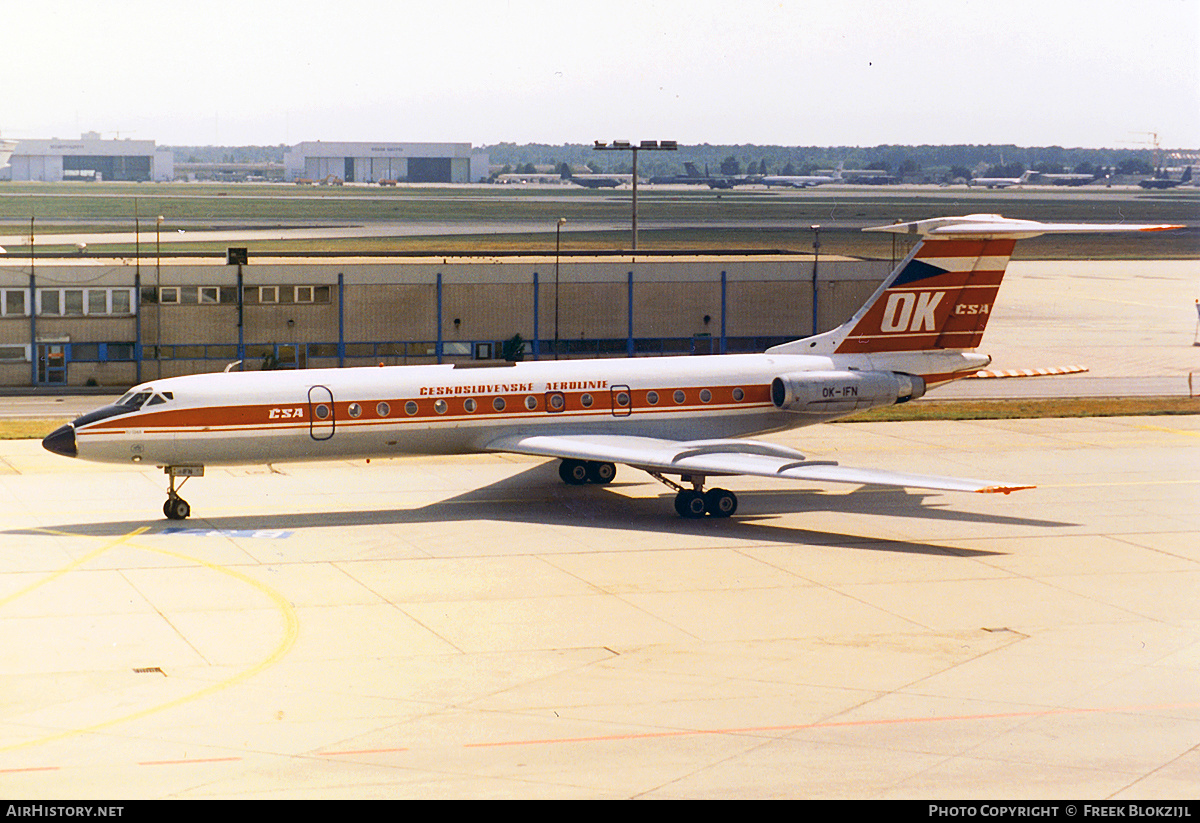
(852, 72)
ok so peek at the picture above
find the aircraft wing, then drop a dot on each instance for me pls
(724, 457)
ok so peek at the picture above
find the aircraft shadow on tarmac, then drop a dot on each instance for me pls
(537, 497)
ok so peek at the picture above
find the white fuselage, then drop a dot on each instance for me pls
(319, 414)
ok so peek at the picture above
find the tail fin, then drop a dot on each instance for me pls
(940, 296)
(1187, 175)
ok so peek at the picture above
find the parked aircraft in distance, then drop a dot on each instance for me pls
(694, 177)
(599, 181)
(801, 181)
(1001, 182)
(1165, 182)
(1064, 179)
(671, 416)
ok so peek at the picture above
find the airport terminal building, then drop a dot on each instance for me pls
(119, 321)
(89, 158)
(377, 162)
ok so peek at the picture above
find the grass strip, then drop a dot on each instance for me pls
(1029, 409)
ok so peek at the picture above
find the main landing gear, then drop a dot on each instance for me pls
(176, 508)
(578, 472)
(689, 503)
(696, 502)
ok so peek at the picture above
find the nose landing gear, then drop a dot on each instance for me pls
(176, 508)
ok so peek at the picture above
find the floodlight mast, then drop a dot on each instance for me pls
(645, 145)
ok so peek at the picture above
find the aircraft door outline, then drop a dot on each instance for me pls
(622, 401)
(321, 422)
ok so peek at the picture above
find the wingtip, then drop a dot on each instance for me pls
(1003, 489)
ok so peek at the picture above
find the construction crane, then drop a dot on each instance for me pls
(1153, 141)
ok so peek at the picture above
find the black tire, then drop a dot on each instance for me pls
(601, 473)
(689, 504)
(720, 502)
(176, 508)
(573, 472)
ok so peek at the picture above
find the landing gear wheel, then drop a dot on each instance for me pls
(176, 508)
(689, 504)
(720, 502)
(601, 473)
(573, 472)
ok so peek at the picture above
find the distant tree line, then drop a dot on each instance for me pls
(936, 162)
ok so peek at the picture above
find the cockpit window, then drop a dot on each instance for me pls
(135, 400)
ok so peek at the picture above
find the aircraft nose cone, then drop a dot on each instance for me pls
(61, 441)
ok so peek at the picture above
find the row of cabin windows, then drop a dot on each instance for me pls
(556, 399)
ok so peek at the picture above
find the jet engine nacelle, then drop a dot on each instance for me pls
(825, 393)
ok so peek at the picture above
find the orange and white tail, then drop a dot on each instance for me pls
(941, 296)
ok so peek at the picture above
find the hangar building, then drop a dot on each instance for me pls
(118, 321)
(89, 158)
(373, 162)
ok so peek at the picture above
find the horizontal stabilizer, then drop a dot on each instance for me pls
(988, 226)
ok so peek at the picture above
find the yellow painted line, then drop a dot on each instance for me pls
(74, 564)
(1120, 483)
(290, 633)
(1169, 431)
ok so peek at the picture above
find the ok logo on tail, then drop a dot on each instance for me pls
(911, 311)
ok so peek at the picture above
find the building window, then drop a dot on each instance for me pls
(122, 301)
(208, 295)
(168, 294)
(14, 354)
(49, 301)
(119, 351)
(74, 302)
(13, 304)
(97, 301)
(305, 294)
(268, 294)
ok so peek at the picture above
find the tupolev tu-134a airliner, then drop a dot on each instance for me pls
(673, 417)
